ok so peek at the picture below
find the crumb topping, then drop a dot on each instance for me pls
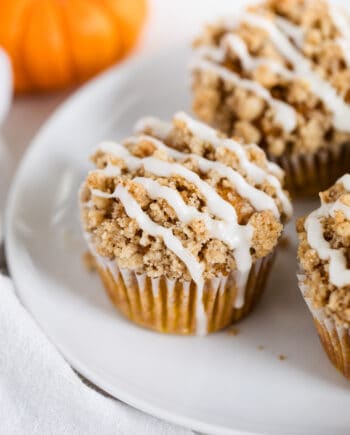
(329, 285)
(117, 235)
(318, 32)
(233, 331)
(282, 357)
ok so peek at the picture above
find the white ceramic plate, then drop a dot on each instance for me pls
(218, 384)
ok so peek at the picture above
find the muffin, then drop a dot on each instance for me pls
(278, 74)
(183, 224)
(324, 256)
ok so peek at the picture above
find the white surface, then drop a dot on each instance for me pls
(5, 158)
(218, 384)
(41, 394)
(5, 84)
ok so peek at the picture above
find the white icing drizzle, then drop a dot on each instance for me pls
(224, 226)
(279, 32)
(120, 151)
(259, 199)
(249, 63)
(342, 24)
(109, 170)
(239, 47)
(274, 168)
(284, 113)
(292, 30)
(340, 20)
(159, 128)
(216, 54)
(339, 274)
(172, 152)
(219, 229)
(340, 206)
(345, 180)
(320, 87)
(345, 47)
(206, 133)
(241, 279)
(161, 168)
(257, 174)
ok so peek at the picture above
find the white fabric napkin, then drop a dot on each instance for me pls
(40, 393)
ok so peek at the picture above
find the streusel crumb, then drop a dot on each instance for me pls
(117, 236)
(282, 357)
(233, 331)
(336, 232)
(241, 111)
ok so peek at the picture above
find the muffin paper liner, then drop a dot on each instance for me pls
(171, 306)
(308, 174)
(334, 337)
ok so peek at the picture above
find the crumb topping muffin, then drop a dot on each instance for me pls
(324, 252)
(278, 74)
(181, 202)
(324, 280)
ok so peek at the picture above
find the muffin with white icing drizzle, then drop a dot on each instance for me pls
(183, 223)
(278, 74)
(324, 256)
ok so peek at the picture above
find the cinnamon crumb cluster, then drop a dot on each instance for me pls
(336, 300)
(118, 237)
(237, 111)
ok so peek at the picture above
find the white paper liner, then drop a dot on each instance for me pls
(172, 306)
(334, 336)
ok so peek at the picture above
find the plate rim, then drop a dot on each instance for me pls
(10, 249)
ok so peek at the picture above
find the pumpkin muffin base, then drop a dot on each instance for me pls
(335, 338)
(307, 174)
(169, 306)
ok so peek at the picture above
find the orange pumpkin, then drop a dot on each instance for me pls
(57, 43)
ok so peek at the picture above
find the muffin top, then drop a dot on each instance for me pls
(182, 201)
(324, 251)
(279, 73)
